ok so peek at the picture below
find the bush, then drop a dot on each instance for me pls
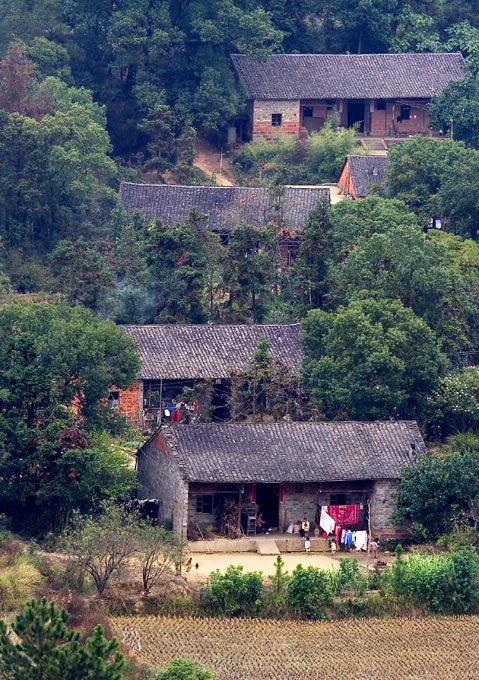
(309, 590)
(348, 579)
(234, 593)
(18, 584)
(443, 584)
(181, 669)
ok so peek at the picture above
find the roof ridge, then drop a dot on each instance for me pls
(344, 54)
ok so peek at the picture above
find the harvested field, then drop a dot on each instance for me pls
(238, 649)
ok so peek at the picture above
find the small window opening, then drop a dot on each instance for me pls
(113, 399)
(299, 488)
(405, 112)
(277, 119)
(381, 105)
(308, 112)
(204, 504)
(337, 499)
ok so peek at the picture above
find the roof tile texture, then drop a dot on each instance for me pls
(225, 207)
(294, 452)
(210, 351)
(365, 171)
(348, 76)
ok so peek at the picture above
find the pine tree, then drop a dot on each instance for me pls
(48, 650)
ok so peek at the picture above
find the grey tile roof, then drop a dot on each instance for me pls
(367, 170)
(294, 452)
(348, 76)
(224, 206)
(210, 351)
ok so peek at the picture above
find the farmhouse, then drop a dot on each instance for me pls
(223, 208)
(177, 356)
(361, 173)
(380, 94)
(287, 470)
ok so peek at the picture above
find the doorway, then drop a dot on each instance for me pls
(356, 115)
(267, 498)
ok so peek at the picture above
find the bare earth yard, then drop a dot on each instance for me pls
(235, 649)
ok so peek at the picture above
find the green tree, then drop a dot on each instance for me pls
(402, 264)
(57, 364)
(454, 406)
(235, 593)
(46, 648)
(102, 545)
(371, 359)
(249, 274)
(437, 489)
(309, 590)
(456, 110)
(160, 552)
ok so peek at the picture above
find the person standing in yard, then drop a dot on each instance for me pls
(373, 549)
(307, 544)
(304, 527)
(333, 547)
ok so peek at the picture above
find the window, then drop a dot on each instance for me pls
(204, 504)
(277, 119)
(337, 499)
(299, 488)
(381, 105)
(113, 399)
(405, 112)
(307, 111)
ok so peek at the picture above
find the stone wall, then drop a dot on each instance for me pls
(160, 477)
(130, 404)
(262, 112)
(298, 505)
(383, 504)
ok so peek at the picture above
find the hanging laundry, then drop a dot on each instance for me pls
(361, 541)
(343, 536)
(326, 522)
(349, 537)
(337, 533)
(344, 514)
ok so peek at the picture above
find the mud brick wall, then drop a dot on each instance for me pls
(383, 505)
(159, 477)
(130, 403)
(262, 112)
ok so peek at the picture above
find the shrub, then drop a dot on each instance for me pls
(18, 584)
(348, 579)
(234, 593)
(309, 590)
(181, 669)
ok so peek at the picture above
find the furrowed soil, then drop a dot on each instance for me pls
(240, 649)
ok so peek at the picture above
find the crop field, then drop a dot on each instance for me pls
(239, 649)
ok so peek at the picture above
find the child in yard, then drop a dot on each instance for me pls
(307, 544)
(333, 547)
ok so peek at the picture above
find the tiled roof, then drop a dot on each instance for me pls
(365, 171)
(210, 351)
(294, 452)
(348, 76)
(225, 206)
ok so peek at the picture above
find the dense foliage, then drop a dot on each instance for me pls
(44, 647)
(57, 364)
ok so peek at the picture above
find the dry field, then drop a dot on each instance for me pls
(238, 649)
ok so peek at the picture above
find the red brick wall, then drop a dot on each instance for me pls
(417, 124)
(130, 403)
(345, 183)
(262, 112)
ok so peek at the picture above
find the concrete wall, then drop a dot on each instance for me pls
(262, 112)
(160, 477)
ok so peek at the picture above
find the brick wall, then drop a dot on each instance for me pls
(345, 183)
(298, 505)
(262, 112)
(131, 403)
(383, 505)
(417, 124)
(159, 477)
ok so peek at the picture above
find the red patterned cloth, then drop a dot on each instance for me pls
(344, 514)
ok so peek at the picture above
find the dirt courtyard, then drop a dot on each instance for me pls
(252, 561)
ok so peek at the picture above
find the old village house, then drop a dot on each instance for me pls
(381, 94)
(289, 470)
(360, 174)
(174, 357)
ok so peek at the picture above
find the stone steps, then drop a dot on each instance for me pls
(266, 547)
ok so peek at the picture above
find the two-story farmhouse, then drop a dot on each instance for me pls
(287, 470)
(381, 94)
(177, 356)
(225, 207)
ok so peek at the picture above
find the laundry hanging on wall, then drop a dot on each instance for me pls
(344, 514)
